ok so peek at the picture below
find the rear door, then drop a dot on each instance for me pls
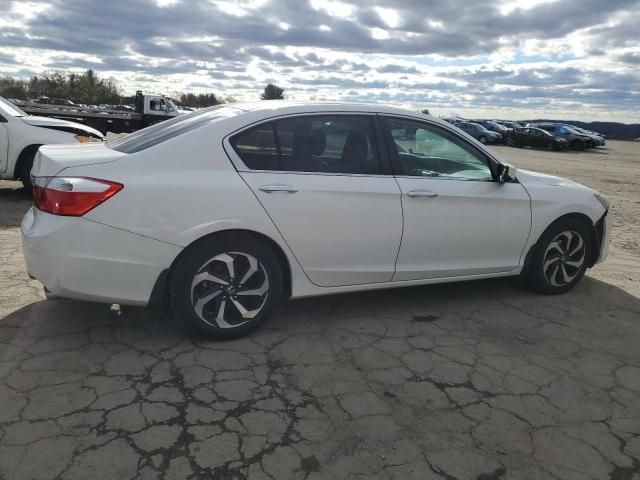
(323, 181)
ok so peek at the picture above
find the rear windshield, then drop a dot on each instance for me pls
(161, 132)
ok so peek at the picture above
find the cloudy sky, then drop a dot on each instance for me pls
(577, 59)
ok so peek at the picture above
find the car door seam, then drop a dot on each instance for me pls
(395, 269)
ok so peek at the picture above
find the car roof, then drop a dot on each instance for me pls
(264, 109)
(291, 106)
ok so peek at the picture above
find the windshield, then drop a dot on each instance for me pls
(502, 128)
(478, 126)
(161, 132)
(572, 130)
(10, 109)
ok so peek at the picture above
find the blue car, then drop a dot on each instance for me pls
(479, 132)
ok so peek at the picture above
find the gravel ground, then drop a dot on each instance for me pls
(481, 380)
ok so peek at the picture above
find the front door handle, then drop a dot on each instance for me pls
(422, 193)
(278, 188)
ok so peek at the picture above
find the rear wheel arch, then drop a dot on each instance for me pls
(160, 294)
(26, 155)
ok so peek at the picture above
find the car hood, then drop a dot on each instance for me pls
(64, 125)
(527, 177)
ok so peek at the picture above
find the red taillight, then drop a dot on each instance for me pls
(72, 196)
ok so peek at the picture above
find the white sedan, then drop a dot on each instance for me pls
(21, 135)
(222, 213)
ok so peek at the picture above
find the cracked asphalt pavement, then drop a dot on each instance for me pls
(480, 380)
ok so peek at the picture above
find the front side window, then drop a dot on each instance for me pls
(423, 150)
(319, 143)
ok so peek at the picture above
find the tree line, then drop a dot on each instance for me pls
(89, 88)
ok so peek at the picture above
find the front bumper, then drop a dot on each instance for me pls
(604, 229)
(77, 258)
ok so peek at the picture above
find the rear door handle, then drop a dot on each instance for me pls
(422, 193)
(278, 188)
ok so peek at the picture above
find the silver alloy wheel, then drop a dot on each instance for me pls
(564, 258)
(229, 289)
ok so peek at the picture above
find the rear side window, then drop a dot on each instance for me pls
(322, 144)
(161, 132)
(257, 147)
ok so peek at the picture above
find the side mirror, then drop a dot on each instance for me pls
(506, 173)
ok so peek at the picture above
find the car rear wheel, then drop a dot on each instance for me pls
(226, 286)
(549, 146)
(25, 170)
(511, 142)
(482, 139)
(560, 257)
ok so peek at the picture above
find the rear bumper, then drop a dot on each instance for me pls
(85, 260)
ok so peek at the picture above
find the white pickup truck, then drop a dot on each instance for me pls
(21, 135)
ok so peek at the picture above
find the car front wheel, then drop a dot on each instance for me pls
(560, 257)
(226, 286)
(482, 139)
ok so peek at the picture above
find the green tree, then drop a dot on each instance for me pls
(272, 92)
(86, 87)
(425, 111)
(12, 88)
(200, 100)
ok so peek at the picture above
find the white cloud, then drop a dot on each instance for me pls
(510, 59)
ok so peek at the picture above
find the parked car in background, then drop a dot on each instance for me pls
(479, 132)
(454, 120)
(597, 138)
(59, 102)
(286, 185)
(577, 140)
(495, 127)
(21, 135)
(535, 137)
(509, 124)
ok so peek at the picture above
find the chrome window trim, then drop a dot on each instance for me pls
(241, 167)
(324, 174)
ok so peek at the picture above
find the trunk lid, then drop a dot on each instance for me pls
(52, 159)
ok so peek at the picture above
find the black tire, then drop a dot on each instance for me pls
(200, 259)
(577, 145)
(560, 264)
(550, 146)
(25, 171)
(482, 139)
(512, 142)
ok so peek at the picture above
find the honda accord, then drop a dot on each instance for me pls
(220, 214)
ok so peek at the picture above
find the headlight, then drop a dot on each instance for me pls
(86, 139)
(602, 199)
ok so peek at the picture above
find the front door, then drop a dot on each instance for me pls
(458, 221)
(320, 180)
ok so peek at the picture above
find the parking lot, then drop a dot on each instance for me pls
(480, 380)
